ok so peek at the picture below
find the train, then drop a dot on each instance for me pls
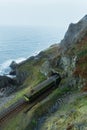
(51, 83)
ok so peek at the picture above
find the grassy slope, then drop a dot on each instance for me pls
(70, 116)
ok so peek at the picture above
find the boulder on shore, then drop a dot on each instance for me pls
(13, 65)
(6, 82)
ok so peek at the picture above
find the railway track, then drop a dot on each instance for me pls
(20, 105)
(15, 108)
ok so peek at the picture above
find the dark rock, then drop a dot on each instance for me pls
(30, 58)
(21, 76)
(70, 127)
(13, 65)
(42, 54)
(13, 72)
(6, 82)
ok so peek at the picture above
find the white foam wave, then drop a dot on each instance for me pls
(36, 53)
(19, 60)
(4, 67)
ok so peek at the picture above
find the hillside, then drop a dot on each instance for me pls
(66, 107)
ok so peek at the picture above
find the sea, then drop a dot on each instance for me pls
(19, 43)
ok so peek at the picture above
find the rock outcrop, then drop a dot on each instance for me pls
(7, 85)
(46, 68)
(75, 32)
(13, 65)
(6, 82)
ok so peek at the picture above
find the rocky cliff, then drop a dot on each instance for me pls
(75, 32)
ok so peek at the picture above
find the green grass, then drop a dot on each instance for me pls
(73, 114)
(82, 53)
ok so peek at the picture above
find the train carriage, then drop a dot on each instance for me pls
(51, 83)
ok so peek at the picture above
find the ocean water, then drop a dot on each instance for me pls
(19, 43)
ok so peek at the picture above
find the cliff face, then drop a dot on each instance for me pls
(75, 48)
(75, 32)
